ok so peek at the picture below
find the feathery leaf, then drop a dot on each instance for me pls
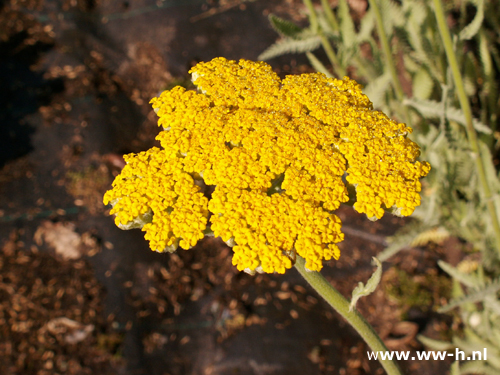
(466, 279)
(422, 84)
(366, 27)
(435, 344)
(284, 27)
(435, 235)
(377, 89)
(433, 109)
(476, 296)
(364, 290)
(469, 31)
(289, 45)
(318, 65)
(346, 25)
(476, 367)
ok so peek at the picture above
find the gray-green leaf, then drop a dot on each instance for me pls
(377, 89)
(435, 344)
(284, 27)
(434, 109)
(289, 45)
(361, 290)
(422, 84)
(475, 296)
(472, 28)
(318, 65)
(466, 279)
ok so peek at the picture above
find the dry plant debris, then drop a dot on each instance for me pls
(51, 315)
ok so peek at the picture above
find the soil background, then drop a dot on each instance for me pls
(80, 296)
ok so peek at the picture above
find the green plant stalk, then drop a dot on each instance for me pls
(341, 305)
(490, 95)
(337, 68)
(313, 20)
(465, 105)
(330, 16)
(332, 19)
(363, 72)
(386, 48)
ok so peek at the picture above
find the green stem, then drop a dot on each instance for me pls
(337, 68)
(330, 16)
(465, 105)
(355, 319)
(313, 20)
(386, 48)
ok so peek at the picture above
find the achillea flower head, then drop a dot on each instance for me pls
(276, 152)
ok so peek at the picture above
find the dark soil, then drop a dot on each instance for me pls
(80, 296)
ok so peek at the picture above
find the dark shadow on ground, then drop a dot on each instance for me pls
(22, 91)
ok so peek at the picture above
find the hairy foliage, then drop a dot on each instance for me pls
(306, 43)
(453, 202)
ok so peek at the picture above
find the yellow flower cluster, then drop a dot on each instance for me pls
(279, 153)
(153, 193)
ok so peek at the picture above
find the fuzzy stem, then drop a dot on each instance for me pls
(332, 20)
(465, 105)
(386, 48)
(341, 305)
(313, 20)
(337, 68)
(330, 16)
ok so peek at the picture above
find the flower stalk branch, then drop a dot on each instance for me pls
(354, 318)
(330, 16)
(465, 105)
(313, 20)
(386, 48)
(338, 69)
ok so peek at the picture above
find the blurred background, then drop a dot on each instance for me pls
(80, 296)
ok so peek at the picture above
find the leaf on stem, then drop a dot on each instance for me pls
(434, 109)
(347, 29)
(361, 290)
(455, 368)
(318, 65)
(377, 89)
(435, 344)
(466, 279)
(469, 31)
(289, 45)
(476, 296)
(477, 367)
(366, 28)
(422, 84)
(284, 27)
